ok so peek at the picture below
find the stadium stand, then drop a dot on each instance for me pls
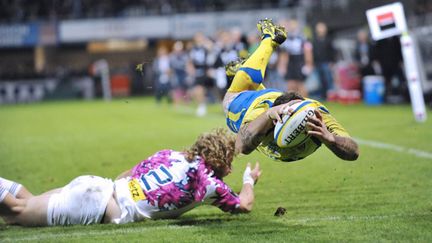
(37, 41)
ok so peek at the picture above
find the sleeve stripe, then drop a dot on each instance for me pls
(322, 108)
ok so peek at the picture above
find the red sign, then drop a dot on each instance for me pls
(386, 21)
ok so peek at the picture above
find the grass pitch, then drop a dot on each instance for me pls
(386, 195)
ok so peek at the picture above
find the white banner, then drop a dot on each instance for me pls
(102, 29)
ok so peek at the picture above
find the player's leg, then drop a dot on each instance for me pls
(17, 190)
(199, 92)
(251, 73)
(297, 86)
(83, 201)
(302, 89)
(23, 193)
(31, 211)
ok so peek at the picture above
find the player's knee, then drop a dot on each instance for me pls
(12, 215)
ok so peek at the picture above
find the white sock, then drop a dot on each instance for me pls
(3, 193)
(10, 186)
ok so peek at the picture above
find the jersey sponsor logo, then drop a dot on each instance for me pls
(136, 191)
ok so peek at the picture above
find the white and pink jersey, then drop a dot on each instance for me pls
(166, 185)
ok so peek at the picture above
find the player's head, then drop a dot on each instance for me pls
(321, 29)
(217, 148)
(292, 26)
(287, 97)
(162, 51)
(199, 38)
(362, 36)
(178, 46)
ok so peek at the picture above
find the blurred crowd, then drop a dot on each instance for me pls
(309, 65)
(384, 58)
(195, 70)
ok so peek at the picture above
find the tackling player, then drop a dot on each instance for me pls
(165, 185)
(252, 110)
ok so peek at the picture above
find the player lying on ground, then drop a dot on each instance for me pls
(252, 110)
(165, 185)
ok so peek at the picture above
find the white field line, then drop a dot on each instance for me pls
(124, 231)
(395, 148)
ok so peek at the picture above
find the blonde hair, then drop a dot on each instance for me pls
(217, 148)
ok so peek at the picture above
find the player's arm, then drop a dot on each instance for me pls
(252, 133)
(247, 196)
(343, 147)
(308, 54)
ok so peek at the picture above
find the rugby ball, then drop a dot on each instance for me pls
(292, 131)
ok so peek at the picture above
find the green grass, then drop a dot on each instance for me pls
(383, 196)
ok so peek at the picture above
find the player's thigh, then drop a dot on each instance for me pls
(292, 85)
(242, 82)
(112, 211)
(50, 192)
(35, 211)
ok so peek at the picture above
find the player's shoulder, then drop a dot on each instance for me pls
(166, 157)
(163, 153)
(322, 108)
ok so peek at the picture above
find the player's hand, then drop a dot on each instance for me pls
(275, 113)
(251, 176)
(256, 172)
(318, 129)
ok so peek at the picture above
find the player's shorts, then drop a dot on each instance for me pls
(128, 206)
(294, 70)
(205, 81)
(238, 105)
(82, 201)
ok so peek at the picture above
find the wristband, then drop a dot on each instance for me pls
(247, 178)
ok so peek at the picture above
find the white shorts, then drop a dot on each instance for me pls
(129, 208)
(82, 201)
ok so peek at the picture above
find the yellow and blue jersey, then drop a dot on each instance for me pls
(248, 105)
